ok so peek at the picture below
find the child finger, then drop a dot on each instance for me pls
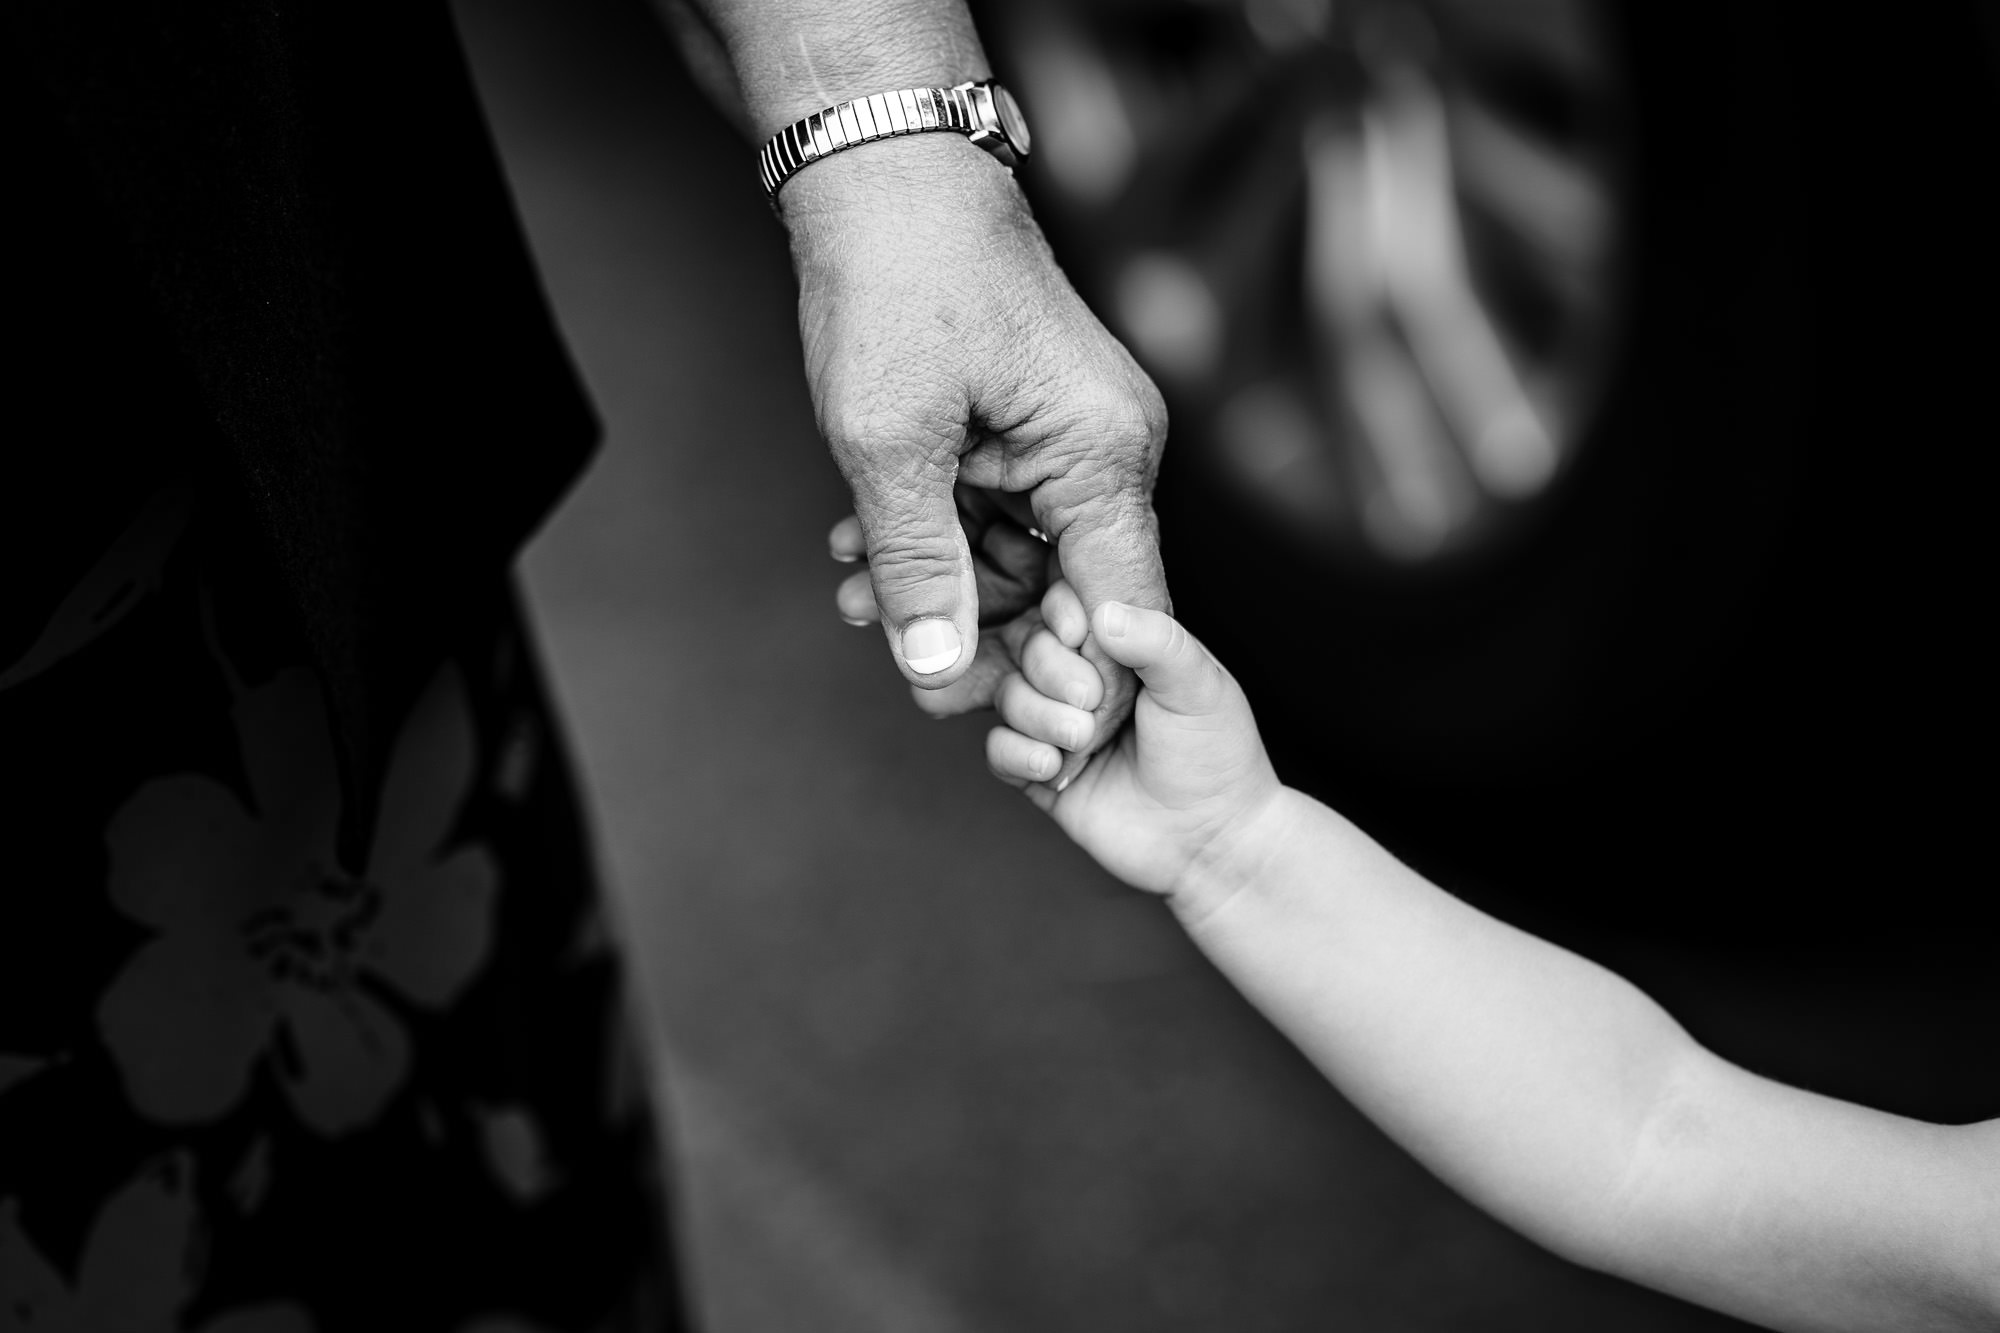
(1014, 635)
(1017, 758)
(855, 599)
(1032, 713)
(1060, 672)
(1063, 610)
(1177, 671)
(845, 542)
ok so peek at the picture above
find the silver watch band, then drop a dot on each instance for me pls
(864, 120)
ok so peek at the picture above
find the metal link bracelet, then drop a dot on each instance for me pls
(982, 111)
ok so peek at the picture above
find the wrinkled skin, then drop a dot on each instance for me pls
(947, 354)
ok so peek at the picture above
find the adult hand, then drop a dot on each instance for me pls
(1013, 564)
(943, 345)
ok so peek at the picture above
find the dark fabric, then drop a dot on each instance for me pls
(242, 1089)
(278, 233)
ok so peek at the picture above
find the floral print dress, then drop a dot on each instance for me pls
(245, 1091)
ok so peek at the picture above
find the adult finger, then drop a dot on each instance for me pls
(1010, 569)
(1011, 566)
(918, 559)
(845, 542)
(1006, 592)
(1107, 538)
(1110, 548)
(855, 599)
(1010, 549)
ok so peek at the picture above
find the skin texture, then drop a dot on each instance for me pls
(1544, 1088)
(964, 389)
(947, 356)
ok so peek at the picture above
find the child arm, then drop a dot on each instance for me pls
(1558, 1097)
(1545, 1088)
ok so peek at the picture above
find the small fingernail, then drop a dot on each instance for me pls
(1079, 698)
(1063, 785)
(852, 621)
(1116, 619)
(843, 559)
(929, 646)
(1046, 765)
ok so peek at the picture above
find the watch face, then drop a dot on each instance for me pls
(1012, 123)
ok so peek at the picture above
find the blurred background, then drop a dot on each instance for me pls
(1591, 399)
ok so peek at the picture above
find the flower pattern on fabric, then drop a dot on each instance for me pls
(265, 951)
(140, 1268)
(129, 571)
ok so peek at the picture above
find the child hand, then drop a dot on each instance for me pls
(1013, 565)
(1170, 807)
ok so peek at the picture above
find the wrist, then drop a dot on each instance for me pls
(941, 172)
(793, 57)
(1240, 857)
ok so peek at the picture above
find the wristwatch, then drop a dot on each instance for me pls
(984, 112)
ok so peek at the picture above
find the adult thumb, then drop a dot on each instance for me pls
(922, 569)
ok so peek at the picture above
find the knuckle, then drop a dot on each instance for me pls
(1209, 680)
(905, 560)
(1012, 701)
(1100, 465)
(1054, 669)
(1014, 691)
(1019, 634)
(868, 425)
(846, 422)
(1087, 493)
(1130, 418)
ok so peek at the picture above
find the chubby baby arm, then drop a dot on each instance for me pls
(1184, 803)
